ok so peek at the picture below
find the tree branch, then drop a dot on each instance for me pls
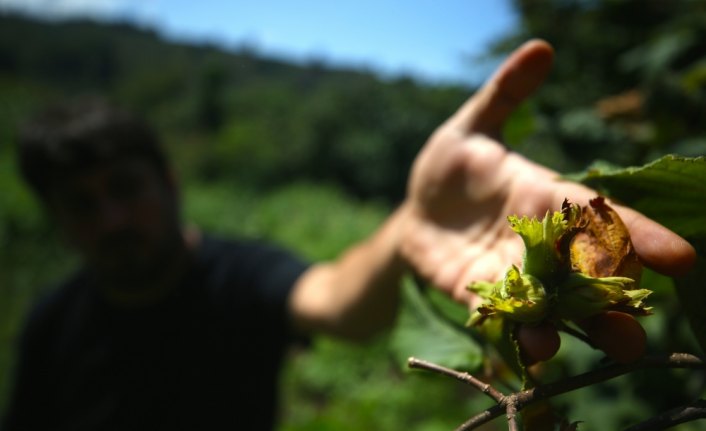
(510, 404)
(511, 411)
(686, 413)
(486, 388)
(673, 360)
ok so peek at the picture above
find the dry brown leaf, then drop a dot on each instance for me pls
(602, 248)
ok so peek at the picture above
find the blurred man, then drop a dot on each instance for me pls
(164, 328)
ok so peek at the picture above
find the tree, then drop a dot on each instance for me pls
(628, 74)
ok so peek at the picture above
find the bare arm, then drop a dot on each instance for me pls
(356, 295)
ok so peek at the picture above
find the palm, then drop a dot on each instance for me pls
(464, 184)
(459, 231)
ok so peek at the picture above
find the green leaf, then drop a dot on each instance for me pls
(422, 333)
(671, 190)
(449, 309)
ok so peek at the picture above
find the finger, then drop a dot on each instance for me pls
(658, 247)
(518, 77)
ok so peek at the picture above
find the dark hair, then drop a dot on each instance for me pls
(80, 134)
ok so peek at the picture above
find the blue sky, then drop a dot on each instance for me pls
(430, 39)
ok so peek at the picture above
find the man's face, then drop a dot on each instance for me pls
(121, 216)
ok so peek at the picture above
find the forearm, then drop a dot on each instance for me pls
(356, 295)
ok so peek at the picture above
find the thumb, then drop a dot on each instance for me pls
(518, 77)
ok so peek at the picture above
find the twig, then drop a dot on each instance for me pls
(521, 399)
(673, 360)
(686, 413)
(481, 418)
(511, 413)
(486, 388)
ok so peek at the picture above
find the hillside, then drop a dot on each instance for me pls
(241, 115)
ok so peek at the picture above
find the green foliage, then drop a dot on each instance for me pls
(627, 74)
(257, 120)
(316, 221)
(670, 190)
(350, 387)
(421, 332)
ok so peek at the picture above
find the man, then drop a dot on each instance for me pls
(165, 329)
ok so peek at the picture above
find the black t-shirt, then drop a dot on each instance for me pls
(206, 358)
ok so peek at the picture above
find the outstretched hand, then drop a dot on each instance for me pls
(465, 183)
